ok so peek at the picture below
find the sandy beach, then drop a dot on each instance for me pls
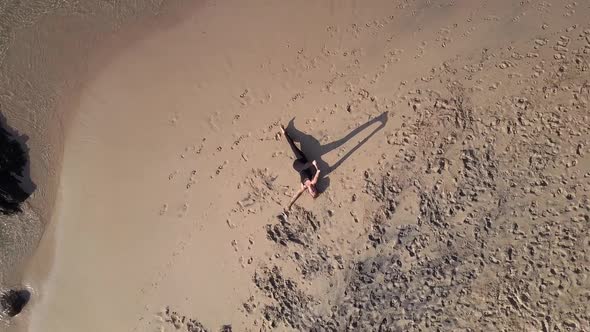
(452, 139)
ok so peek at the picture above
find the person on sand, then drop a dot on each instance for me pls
(304, 167)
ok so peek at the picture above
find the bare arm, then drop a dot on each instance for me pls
(317, 173)
(295, 197)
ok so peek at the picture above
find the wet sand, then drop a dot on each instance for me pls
(452, 137)
(174, 165)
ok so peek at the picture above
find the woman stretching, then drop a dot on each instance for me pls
(304, 168)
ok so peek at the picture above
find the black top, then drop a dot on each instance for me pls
(306, 175)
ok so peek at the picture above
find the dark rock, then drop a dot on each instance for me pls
(12, 301)
(13, 162)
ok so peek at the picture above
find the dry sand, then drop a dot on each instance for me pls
(453, 136)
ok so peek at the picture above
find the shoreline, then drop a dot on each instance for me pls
(45, 159)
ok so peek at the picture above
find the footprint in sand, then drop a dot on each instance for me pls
(192, 179)
(174, 119)
(266, 99)
(246, 98)
(183, 210)
(163, 209)
(201, 146)
(230, 224)
(239, 140)
(221, 167)
(172, 175)
(213, 121)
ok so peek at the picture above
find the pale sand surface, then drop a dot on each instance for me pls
(436, 216)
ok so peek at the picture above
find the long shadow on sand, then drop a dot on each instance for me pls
(15, 179)
(314, 150)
